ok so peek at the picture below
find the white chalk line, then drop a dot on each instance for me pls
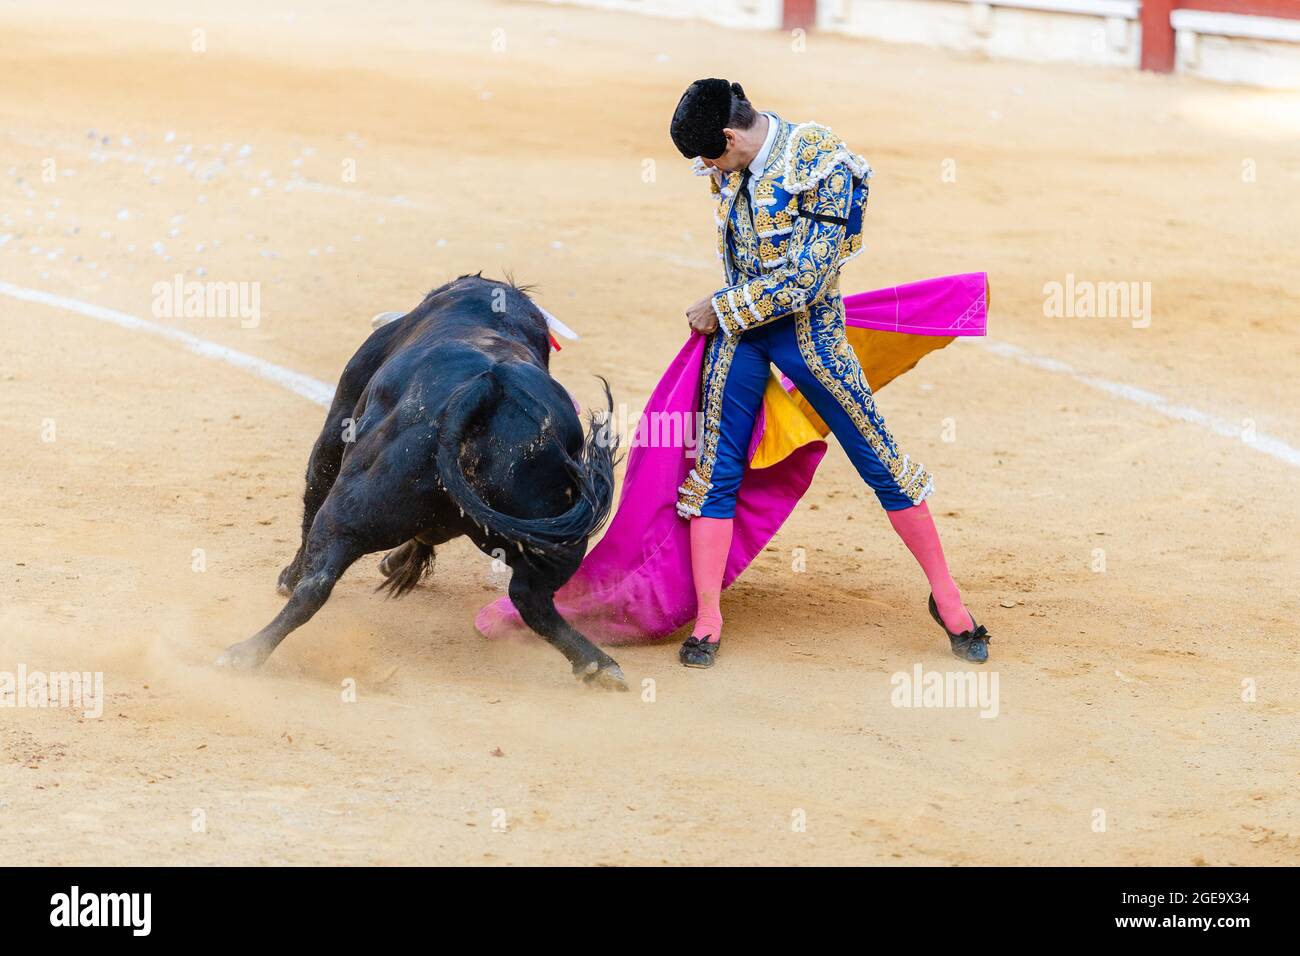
(322, 393)
(1157, 403)
(312, 389)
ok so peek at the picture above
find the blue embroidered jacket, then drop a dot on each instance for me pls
(784, 254)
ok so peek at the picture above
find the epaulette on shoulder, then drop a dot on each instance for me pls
(715, 179)
(812, 152)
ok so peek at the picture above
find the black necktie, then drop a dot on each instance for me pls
(743, 190)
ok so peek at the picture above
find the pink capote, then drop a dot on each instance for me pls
(635, 584)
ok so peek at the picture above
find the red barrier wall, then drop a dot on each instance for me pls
(1158, 35)
(798, 14)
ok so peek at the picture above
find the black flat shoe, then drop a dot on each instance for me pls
(972, 646)
(699, 651)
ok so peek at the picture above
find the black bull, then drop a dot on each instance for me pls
(446, 423)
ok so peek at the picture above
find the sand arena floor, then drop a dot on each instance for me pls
(511, 136)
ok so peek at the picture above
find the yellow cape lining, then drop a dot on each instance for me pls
(791, 423)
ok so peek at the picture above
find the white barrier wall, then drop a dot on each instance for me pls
(744, 14)
(1225, 47)
(1261, 51)
(1101, 32)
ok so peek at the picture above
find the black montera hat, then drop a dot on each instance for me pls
(701, 116)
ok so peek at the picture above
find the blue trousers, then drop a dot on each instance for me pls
(811, 349)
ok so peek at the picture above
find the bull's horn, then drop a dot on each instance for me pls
(555, 325)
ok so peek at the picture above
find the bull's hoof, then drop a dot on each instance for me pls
(607, 676)
(244, 656)
(287, 581)
(389, 563)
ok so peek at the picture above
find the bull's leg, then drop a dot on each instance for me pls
(327, 454)
(534, 597)
(325, 562)
(322, 470)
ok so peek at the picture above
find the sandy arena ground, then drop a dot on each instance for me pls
(514, 136)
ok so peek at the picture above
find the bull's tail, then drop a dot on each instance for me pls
(592, 472)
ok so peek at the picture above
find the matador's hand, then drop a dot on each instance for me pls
(702, 318)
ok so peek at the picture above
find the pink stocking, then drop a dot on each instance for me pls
(916, 528)
(710, 544)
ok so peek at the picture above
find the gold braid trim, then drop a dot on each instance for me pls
(696, 487)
